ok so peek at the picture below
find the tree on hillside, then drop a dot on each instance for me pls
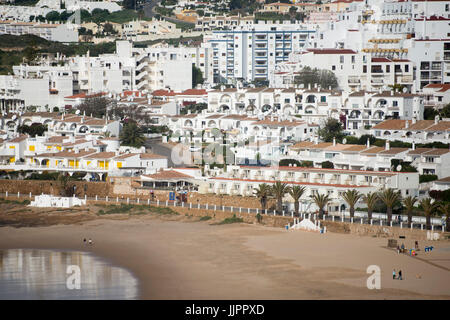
(263, 192)
(129, 4)
(35, 129)
(390, 198)
(321, 201)
(332, 128)
(279, 190)
(444, 209)
(371, 200)
(132, 135)
(351, 197)
(322, 77)
(409, 203)
(296, 192)
(197, 76)
(445, 111)
(428, 206)
(97, 106)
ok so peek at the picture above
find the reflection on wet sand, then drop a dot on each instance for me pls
(42, 274)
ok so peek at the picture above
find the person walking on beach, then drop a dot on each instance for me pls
(393, 275)
(398, 249)
(90, 241)
(84, 240)
(400, 275)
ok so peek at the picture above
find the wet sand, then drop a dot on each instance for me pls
(196, 260)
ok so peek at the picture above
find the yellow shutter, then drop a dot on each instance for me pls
(71, 163)
(31, 148)
(101, 164)
(119, 164)
(77, 163)
(12, 159)
(58, 147)
(12, 147)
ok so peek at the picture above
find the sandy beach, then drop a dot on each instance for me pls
(184, 258)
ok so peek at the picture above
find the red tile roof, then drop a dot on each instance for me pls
(332, 51)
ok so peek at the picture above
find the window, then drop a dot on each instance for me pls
(406, 68)
(333, 67)
(364, 69)
(353, 59)
(341, 59)
(388, 68)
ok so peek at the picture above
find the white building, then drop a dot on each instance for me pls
(242, 180)
(353, 70)
(249, 52)
(51, 32)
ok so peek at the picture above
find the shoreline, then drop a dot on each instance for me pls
(191, 260)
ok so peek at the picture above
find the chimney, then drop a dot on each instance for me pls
(436, 120)
(413, 121)
(406, 124)
(388, 145)
(413, 145)
(334, 141)
(309, 86)
(392, 92)
(318, 88)
(368, 143)
(316, 140)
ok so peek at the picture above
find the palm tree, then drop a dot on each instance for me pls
(409, 203)
(351, 197)
(371, 200)
(296, 193)
(263, 192)
(321, 201)
(279, 190)
(428, 206)
(444, 208)
(389, 198)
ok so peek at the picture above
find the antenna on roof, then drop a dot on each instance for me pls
(77, 112)
(344, 141)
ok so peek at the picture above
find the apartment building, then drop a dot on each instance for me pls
(249, 52)
(34, 86)
(354, 70)
(62, 124)
(283, 8)
(242, 180)
(418, 131)
(356, 110)
(51, 32)
(430, 161)
(222, 22)
(436, 95)
(160, 27)
(367, 157)
(95, 155)
(432, 60)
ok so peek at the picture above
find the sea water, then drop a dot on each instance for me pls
(62, 275)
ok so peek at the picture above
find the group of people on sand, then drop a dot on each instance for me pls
(88, 241)
(399, 275)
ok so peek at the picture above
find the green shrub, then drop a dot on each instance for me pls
(427, 178)
(233, 219)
